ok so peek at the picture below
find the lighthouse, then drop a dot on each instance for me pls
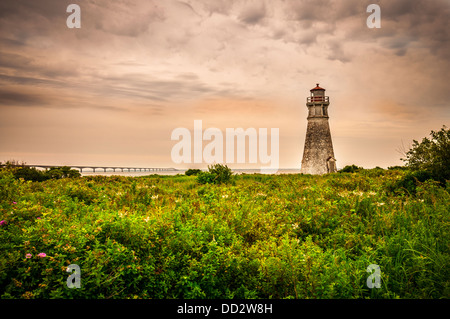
(318, 155)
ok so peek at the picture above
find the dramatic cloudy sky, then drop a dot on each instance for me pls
(111, 92)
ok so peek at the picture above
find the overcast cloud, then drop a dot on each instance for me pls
(147, 67)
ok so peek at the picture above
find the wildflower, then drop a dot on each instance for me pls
(27, 295)
(17, 283)
(295, 226)
(261, 194)
(155, 197)
(42, 255)
(380, 204)
(28, 256)
(14, 203)
(3, 222)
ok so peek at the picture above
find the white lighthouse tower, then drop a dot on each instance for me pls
(318, 155)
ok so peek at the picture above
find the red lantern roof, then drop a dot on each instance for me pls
(317, 88)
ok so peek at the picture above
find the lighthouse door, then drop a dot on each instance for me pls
(331, 165)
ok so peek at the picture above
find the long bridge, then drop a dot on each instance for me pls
(105, 168)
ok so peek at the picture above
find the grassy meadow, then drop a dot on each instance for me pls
(260, 236)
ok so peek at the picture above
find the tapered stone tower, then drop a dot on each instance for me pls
(318, 155)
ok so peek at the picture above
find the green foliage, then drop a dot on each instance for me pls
(350, 169)
(402, 168)
(217, 174)
(9, 186)
(431, 155)
(62, 172)
(410, 181)
(267, 236)
(206, 178)
(35, 175)
(30, 174)
(192, 171)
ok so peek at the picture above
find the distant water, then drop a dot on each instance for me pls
(182, 171)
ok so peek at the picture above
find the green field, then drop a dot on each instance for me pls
(261, 236)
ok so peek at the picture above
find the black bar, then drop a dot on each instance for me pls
(226, 308)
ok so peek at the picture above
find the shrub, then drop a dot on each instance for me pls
(373, 172)
(205, 178)
(192, 171)
(431, 155)
(222, 173)
(216, 174)
(35, 175)
(30, 174)
(401, 168)
(9, 186)
(62, 172)
(350, 169)
(410, 181)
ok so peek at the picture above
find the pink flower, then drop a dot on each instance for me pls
(3, 222)
(42, 255)
(14, 203)
(28, 256)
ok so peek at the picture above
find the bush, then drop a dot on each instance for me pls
(9, 186)
(350, 169)
(62, 172)
(401, 168)
(192, 171)
(431, 155)
(32, 174)
(205, 178)
(216, 174)
(410, 181)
